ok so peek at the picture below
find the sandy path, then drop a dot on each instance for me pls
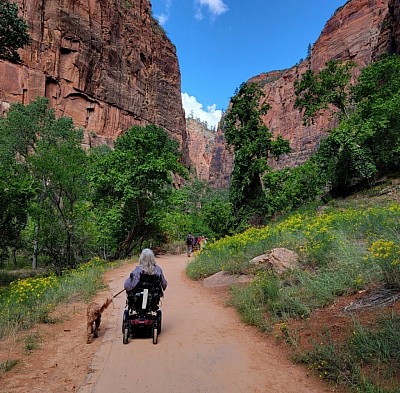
(203, 347)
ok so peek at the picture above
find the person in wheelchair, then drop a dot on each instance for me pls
(147, 265)
(144, 288)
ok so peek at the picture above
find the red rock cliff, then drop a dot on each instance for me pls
(105, 63)
(201, 142)
(361, 30)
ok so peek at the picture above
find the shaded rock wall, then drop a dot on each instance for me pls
(221, 162)
(105, 63)
(395, 25)
(361, 30)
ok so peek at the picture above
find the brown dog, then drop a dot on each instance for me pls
(94, 312)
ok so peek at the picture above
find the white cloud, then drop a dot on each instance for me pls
(162, 19)
(164, 16)
(215, 8)
(198, 14)
(194, 108)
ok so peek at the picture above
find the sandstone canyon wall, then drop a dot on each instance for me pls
(200, 142)
(107, 64)
(361, 30)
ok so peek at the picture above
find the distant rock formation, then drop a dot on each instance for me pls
(361, 31)
(221, 162)
(107, 64)
(200, 144)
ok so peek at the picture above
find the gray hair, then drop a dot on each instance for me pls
(147, 261)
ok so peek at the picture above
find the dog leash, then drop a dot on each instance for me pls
(118, 293)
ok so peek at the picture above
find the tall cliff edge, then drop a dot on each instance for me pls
(107, 64)
(361, 30)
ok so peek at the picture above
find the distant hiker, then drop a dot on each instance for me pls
(199, 241)
(196, 243)
(202, 242)
(189, 244)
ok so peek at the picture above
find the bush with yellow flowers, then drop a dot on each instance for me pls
(386, 254)
(29, 300)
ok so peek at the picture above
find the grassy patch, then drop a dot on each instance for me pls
(31, 342)
(367, 361)
(30, 300)
(8, 365)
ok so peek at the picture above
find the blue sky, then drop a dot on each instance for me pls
(222, 43)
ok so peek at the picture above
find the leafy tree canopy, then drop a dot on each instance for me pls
(366, 143)
(13, 31)
(253, 144)
(209, 210)
(317, 91)
(16, 194)
(47, 153)
(133, 183)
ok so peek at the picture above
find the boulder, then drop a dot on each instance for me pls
(278, 260)
(223, 279)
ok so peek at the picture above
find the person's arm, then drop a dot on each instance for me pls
(164, 282)
(132, 281)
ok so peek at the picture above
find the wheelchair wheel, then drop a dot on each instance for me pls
(124, 321)
(159, 320)
(125, 338)
(155, 335)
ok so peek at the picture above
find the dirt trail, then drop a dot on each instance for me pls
(203, 347)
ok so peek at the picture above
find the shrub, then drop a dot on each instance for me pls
(386, 254)
(30, 300)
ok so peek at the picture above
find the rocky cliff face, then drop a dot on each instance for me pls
(208, 158)
(105, 63)
(201, 142)
(221, 162)
(361, 30)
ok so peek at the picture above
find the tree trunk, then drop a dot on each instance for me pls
(125, 247)
(37, 227)
(70, 258)
(35, 247)
(14, 255)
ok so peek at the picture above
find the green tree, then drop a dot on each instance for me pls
(15, 195)
(174, 221)
(329, 87)
(309, 51)
(366, 144)
(13, 31)
(209, 209)
(132, 185)
(199, 209)
(253, 144)
(59, 165)
(291, 188)
(48, 151)
(18, 136)
(217, 214)
(345, 162)
(377, 99)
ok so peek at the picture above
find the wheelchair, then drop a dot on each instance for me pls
(142, 315)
